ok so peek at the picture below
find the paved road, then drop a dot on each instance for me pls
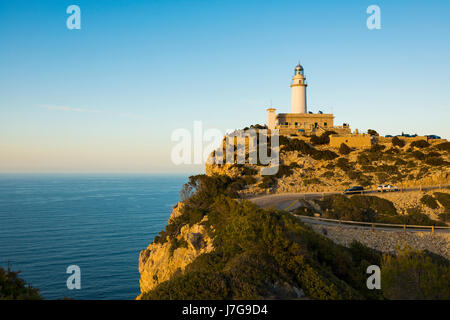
(289, 202)
(285, 201)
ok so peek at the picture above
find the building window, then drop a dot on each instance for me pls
(296, 124)
(286, 123)
(315, 125)
(324, 124)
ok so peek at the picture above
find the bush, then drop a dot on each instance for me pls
(363, 159)
(324, 138)
(12, 287)
(433, 154)
(284, 171)
(436, 161)
(343, 164)
(429, 201)
(416, 217)
(444, 146)
(356, 208)
(397, 142)
(304, 148)
(400, 162)
(418, 155)
(344, 149)
(268, 182)
(415, 275)
(392, 151)
(419, 144)
(328, 174)
(443, 198)
(377, 148)
(372, 132)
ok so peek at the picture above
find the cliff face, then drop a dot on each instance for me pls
(159, 261)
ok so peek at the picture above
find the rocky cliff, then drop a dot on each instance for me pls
(160, 261)
(309, 167)
(218, 247)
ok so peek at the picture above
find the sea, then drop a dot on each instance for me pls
(99, 223)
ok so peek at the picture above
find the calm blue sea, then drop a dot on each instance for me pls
(100, 223)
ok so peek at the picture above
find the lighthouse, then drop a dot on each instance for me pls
(298, 91)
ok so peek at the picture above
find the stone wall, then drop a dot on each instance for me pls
(386, 241)
(351, 140)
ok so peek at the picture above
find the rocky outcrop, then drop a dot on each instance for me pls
(160, 261)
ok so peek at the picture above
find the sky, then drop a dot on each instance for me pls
(106, 98)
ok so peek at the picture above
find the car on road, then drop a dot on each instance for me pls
(387, 188)
(354, 189)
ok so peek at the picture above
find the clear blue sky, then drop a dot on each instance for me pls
(106, 98)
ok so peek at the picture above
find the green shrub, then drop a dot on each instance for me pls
(356, 208)
(175, 244)
(443, 198)
(344, 149)
(353, 175)
(324, 138)
(429, 201)
(433, 154)
(268, 182)
(363, 159)
(419, 144)
(324, 155)
(415, 275)
(418, 155)
(343, 164)
(304, 148)
(397, 142)
(392, 151)
(328, 174)
(444, 146)
(436, 161)
(377, 148)
(400, 162)
(12, 287)
(284, 171)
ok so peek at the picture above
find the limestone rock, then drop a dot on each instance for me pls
(159, 262)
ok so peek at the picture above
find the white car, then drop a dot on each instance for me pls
(387, 188)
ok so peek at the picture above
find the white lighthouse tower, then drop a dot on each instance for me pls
(298, 91)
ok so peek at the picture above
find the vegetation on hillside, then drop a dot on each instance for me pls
(366, 208)
(259, 252)
(12, 287)
(415, 275)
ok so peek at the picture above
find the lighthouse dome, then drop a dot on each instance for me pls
(299, 69)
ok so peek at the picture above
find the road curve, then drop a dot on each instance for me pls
(285, 201)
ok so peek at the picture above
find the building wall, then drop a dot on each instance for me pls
(351, 140)
(305, 121)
